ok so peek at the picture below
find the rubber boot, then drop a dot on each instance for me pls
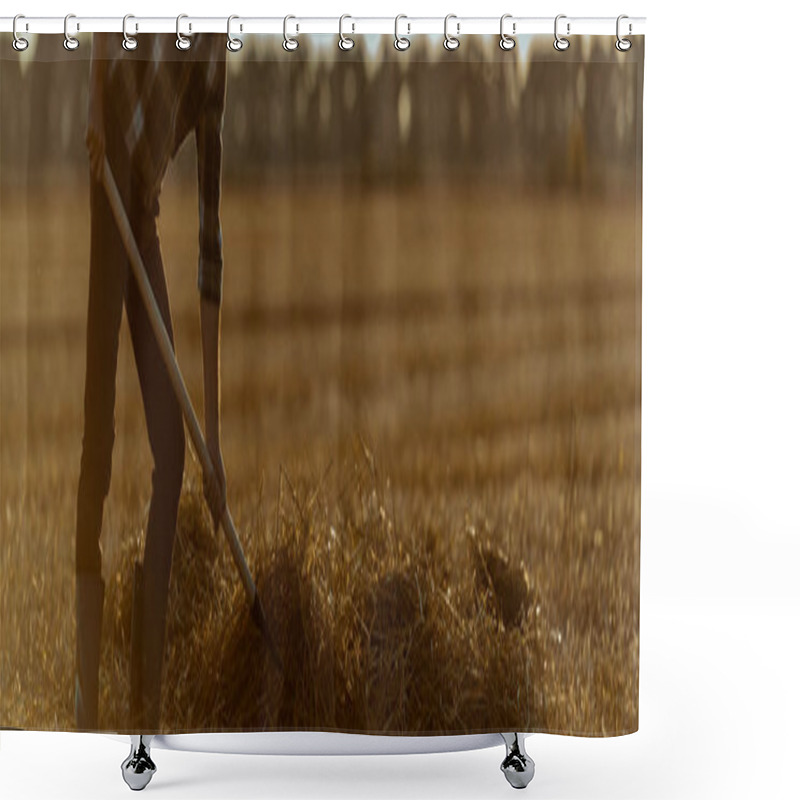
(153, 651)
(153, 635)
(89, 595)
(147, 652)
(136, 711)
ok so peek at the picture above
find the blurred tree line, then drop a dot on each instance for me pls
(528, 115)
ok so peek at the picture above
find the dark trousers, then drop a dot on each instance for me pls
(111, 283)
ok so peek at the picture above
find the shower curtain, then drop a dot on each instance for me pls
(403, 288)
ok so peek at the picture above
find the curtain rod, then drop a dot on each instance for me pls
(631, 26)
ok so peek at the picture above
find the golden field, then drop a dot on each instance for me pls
(431, 430)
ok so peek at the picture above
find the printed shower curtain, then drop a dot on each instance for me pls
(404, 294)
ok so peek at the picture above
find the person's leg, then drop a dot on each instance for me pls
(167, 442)
(107, 268)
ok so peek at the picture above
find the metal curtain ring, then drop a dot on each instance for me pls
(182, 42)
(290, 44)
(623, 45)
(128, 42)
(70, 42)
(235, 44)
(345, 42)
(19, 44)
(401, 42)
(560, 42)
(451, 42)
(506, 42)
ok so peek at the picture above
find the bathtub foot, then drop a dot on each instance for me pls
(517, 766)
(138, 767)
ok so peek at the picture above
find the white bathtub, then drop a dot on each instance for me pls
(318, 743)
(138, 768)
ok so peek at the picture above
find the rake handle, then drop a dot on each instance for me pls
(196, 435)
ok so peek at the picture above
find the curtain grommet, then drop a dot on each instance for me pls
(128, 42)
(18, 43)
(623, 45)
(290, 43)
(70, 42)
(401, 43)
(345, 42)
(507, 42)
(451, 43)
(234, 43)
(560, 43)
(182, 42)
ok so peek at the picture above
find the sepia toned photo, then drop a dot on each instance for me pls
(320, 385)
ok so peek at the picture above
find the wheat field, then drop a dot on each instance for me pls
(431, 427)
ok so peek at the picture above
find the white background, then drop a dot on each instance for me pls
(720, 611)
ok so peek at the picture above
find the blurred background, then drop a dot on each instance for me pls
(431, 392)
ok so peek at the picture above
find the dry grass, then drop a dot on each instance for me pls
(433, 461)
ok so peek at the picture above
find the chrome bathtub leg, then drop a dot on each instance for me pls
(517, 766)
(138, 767)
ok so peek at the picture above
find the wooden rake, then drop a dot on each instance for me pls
(167, 353)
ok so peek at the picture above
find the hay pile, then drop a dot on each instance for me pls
(380, 630)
